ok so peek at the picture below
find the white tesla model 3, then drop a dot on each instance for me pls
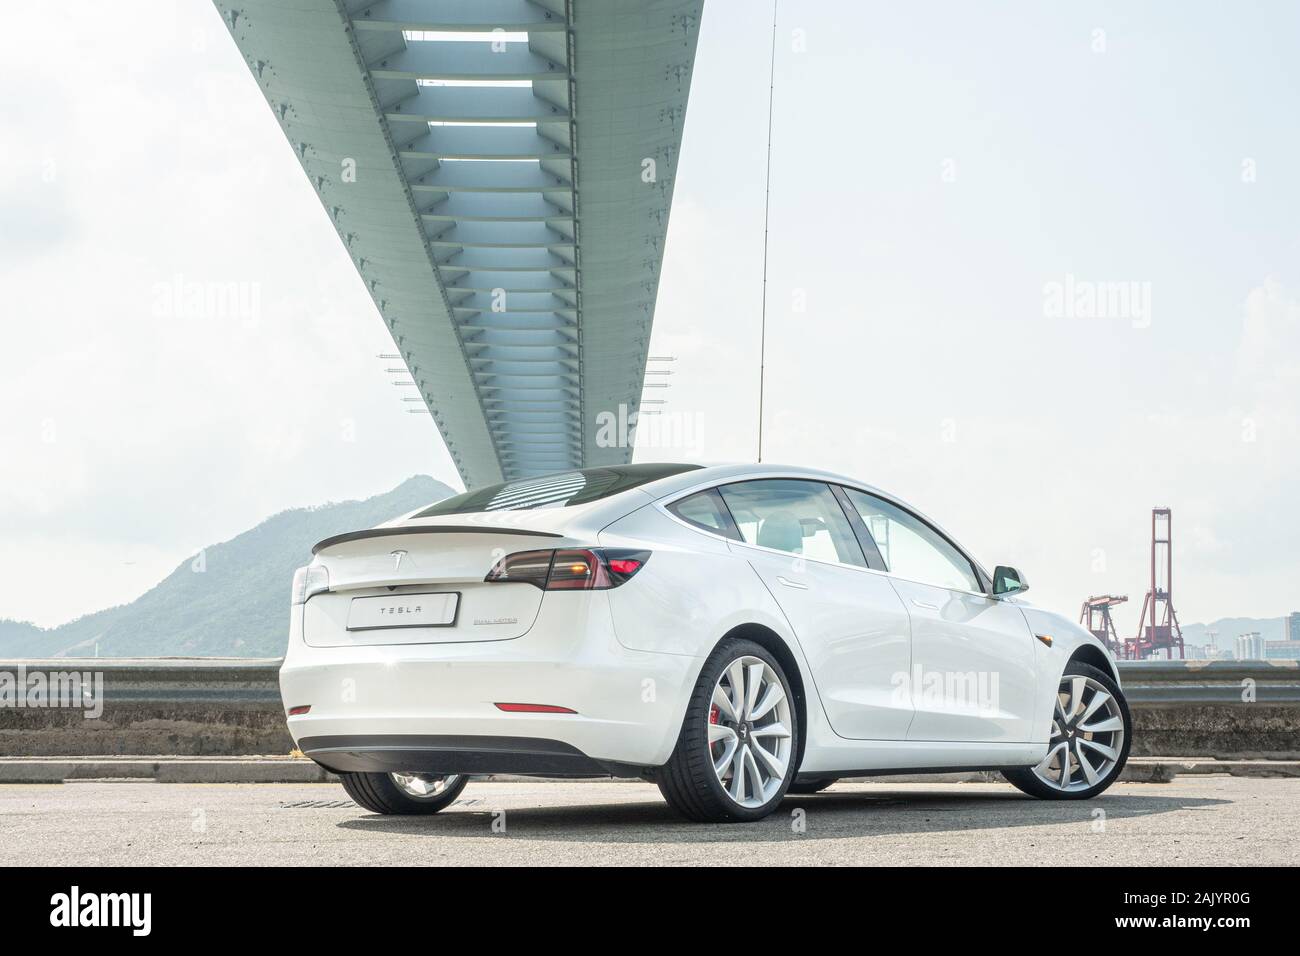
(732, 633)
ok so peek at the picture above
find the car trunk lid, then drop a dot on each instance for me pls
(416, 584)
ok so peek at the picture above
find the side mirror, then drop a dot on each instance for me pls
(1008, 581)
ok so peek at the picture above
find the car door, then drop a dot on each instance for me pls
(851, 624)
(972, 674)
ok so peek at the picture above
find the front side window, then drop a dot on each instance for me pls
(911, 548)
(793, 515)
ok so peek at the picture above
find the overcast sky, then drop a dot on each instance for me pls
(949, 183)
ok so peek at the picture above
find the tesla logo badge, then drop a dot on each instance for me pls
(397, 559)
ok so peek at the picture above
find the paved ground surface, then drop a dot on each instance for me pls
(1192, 821)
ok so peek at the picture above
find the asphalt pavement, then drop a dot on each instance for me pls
(1195, 820)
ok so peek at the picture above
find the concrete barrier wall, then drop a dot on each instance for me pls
(197, 707)
(1228, 709)
(211, 706)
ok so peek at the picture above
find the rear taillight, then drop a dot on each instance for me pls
(570, 569)
(578, 570)
(313, 579)
(526, 567)
(625, 566)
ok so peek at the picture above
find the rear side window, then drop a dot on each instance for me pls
(795, 515)
(705, 510)
(554, 491)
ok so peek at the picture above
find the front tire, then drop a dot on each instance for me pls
(1091, 734)
(411, 794)
(735, 756)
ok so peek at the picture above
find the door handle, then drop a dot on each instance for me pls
(925, 604)
(792, 584)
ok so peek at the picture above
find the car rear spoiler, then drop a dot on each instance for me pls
(427, 529)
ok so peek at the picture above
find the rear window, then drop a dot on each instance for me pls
(554, 491)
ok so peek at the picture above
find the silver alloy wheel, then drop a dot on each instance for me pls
(749, 731)
(1087, 736)
(423, 786)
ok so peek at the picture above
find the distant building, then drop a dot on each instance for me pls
(1282, 650)
(1291, 627)
(1250, 646)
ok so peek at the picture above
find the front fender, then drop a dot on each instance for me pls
(1069, 639)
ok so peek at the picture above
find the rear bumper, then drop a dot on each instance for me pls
(452, 754)
(433, 707)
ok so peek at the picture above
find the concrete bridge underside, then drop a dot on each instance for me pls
(501, 174)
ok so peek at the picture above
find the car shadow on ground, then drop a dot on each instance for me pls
(825, 816)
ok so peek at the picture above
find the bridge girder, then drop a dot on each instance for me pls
(501, 174)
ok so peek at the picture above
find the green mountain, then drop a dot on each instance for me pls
(231, 601)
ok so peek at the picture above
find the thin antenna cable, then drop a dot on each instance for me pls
(767, 211)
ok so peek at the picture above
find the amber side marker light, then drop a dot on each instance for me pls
(299, 710)
(1045, 638)
(534, 709)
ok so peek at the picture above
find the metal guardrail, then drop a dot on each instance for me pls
(210, 680)
(229, 707)
(1210, 683)
(1164, 671)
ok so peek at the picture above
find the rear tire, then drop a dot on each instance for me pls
(1091, 732)
(811, 786)
(382, 793)
(752, 730)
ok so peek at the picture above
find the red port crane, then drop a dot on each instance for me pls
(1095, 616)
(1158, 623)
